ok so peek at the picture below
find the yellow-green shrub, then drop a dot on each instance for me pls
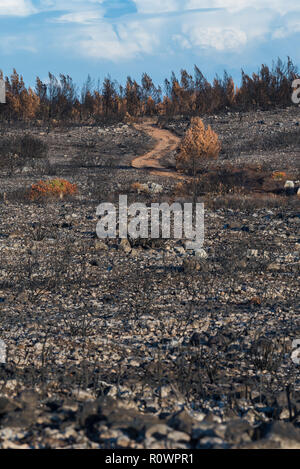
(56, 188)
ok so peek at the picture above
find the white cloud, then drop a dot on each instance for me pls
(290, 26)
(223, 31)
(69, 5)
(157, 6)
(161, 26)
(280, 6)
(215, 38)
(82, 17)
(16, 8)
(115, 43)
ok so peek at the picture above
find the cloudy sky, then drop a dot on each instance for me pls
(128, 37)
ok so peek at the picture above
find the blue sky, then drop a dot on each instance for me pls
(129, 37)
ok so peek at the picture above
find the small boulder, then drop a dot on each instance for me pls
(125, 246)
(289, 187)
(190, 265)
(201, 253)
(100, 245)
(274, 267)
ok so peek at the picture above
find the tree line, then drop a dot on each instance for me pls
(60, 99)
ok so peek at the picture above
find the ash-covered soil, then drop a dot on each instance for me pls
(146, 345)
(271, 138)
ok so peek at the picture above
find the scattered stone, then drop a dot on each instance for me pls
(201, 253)
(274, 267)
(190, 265)
(100, 245)
(125, 246)
(157, 431)
(103, 346)
(284, 434)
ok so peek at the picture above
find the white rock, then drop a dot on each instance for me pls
(11, 445)
(160, 428)
(155, 188)
(201, 253)
(83, 395)
(179, 436)
(180, 249)
(252, 253)
(289, 185)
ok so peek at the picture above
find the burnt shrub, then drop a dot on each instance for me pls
(15, 152)
(29, 146)
(25, 147)
(225, 179)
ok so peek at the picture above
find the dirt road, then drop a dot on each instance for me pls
(166, 143)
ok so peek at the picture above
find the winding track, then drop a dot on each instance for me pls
(166, 142)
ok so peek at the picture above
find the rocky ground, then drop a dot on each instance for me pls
(143, 344)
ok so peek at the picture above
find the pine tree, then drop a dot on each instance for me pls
(198, 146)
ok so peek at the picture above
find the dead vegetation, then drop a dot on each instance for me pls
(198, 146)
(59, 102)
(107, 340)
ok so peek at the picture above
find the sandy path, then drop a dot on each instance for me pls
(166, 142)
